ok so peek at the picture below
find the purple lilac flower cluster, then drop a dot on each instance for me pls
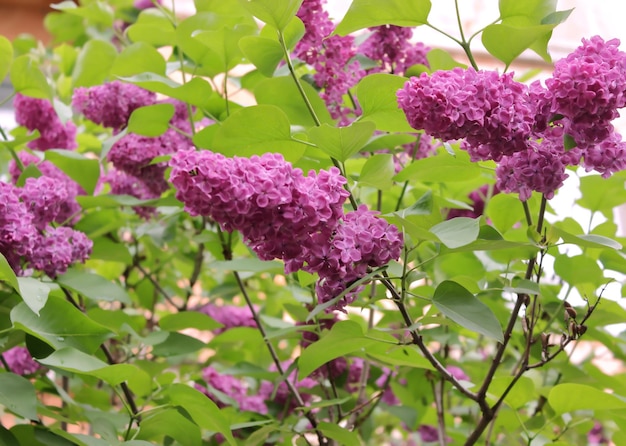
(39, 114)
(331, 56)
(20, 361)
(525, 128)
(285, 215)
(391, 46)
(230, 316)
(225, 390)
(27, 237)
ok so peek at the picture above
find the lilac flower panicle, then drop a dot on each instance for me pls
(232, 388)
(20, 361)
(391, 46)
(111, 104)
(17, 231)
(58, 248)
(43, 197)
(491, 112)
(230, 316)
(39, 114)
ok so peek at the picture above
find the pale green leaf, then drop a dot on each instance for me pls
(370, 13)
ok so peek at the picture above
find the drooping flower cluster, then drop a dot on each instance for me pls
(20, 361)
(230, 316)
(331, 56)
(391, 46)
(526, 129)
(285, 215)
(39, 114)
(26, 234)
(226, 390)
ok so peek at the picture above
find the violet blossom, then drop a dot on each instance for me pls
(391, 46)
(39, 114)
(226, 390)
(230, 316)
(20, 361)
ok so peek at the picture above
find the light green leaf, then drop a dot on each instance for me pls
(570, 397)
(151, 120)
(441, 168)
(423, 206)
(378, 171)
(138, 58)
(7, 274)
(188, 319)
(587, 240)
(247, 264)
(93, 286)
(277, 13)
(224, 43)
(406, 355)
(520, 394)
(506, 42)
(256, 130)
(106, 249)
(524, 286)
(60, 324)
(283, 93)
(264, 53)
(17, 394)
(85, 171)
(34, 292)
(369, 13)
(457, 232)
(377, 97)
(6, 57)
(153, 28)
(602, 194)
(169, 422)
(579, 269)
(94, 13)
(93, 63)
(439, 59)
(344, 337)
(27, 78)
(195, 92)
(465, 309)
(339, 434)
(202, 410)
(504, 211)
(342, 142)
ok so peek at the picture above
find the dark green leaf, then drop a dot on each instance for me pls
(93, 286)
(344, 337)
(465, 309)
(171, 423)
(188, 319)
(457, 232)
(338, 433)
(369, 13)
(177, 344)
(85, 171)
(343, 142)
(377, 97)
(106, 249)
(151, 120)
(17, 394)
(60, 325)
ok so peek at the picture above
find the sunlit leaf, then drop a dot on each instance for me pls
(570, 397)
(369, 13)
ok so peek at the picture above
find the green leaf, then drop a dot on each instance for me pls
(171, 423)
(93, 286)
(423, 206)
(151, 120)
(188, 319)
(34, 292)
(441, 168)
(153, 28)
(457, 232)
(264, 53)
(377, 96)
(369, 13)
(439, 59)
(524, 286)
(506, 42)
(85, 171)
(378, 171)
(224, 43)
(202, 410)
(579, 269)
(465, 309)
(93, 63)
(7, 275)
(94, 13)
(344, 337)
(6, 57)
(106, 249)
(504, 211)
(17, 394)
(587, 240)
(27, 78)
(195, 92)
(60, 325)
(177, 344)
(138, 58)
(602, 194)
(283, 93)
(256, 130)
(570, 397)
(406, 355)
(247, 264)
(342, 142)
(277, 13)
(535, 10)
(338, 433)
(520, 394)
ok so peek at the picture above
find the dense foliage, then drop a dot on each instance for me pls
(256, 225)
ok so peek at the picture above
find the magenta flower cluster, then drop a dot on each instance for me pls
(230, 316)
(226, 390)
(285, 215)
(27, 236)
(524, 128)
(39, 114)
(20, 361)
